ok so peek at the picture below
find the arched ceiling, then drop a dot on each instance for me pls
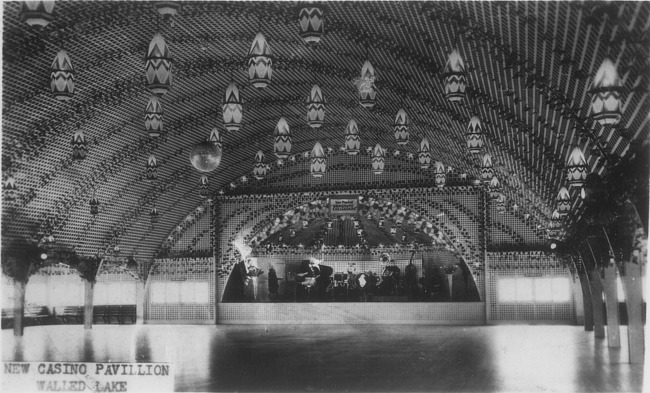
(530, 66)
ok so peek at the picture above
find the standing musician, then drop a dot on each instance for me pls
(313, 281)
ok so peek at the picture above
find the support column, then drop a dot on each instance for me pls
(89, 290)
(578, 301)
(611, 302)
(139, 302)
(586, 301)
(19, 307)
(632, 285)
(597, 303)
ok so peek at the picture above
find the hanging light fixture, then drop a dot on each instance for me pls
(474, 135)
(500, 202)
(259, 170)
(494, 188)
(215, 138)
(158, 66)
(424, 155)
(232, 108)
(563, 201)
(311, 24)
(318, 165)
(366, 86)
(487, 172)
(606, 102)
(206, 156)
(282, 139)
(152, 168)
(554, 229)
(576, 167)
(378, 158)
(352, 139)
(94, 205)
(454, 77)
(37, 13)
(62, 77)
(9, 188)
(440, 174)
(204, 182)
(165, 8)
(153, 117)
(260, 62)
(155, 216)
(315, 108)
(79, 145)
(401, 127)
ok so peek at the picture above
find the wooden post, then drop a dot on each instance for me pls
(19, 307)
(89, 290)
(586, 300)
(611, 302)
(139, 302)
(632, 285)
(579, 301)
(597, 303)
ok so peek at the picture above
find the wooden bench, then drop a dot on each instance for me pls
(7, 318)
(32, 315)
(71, 315)
(128, 311)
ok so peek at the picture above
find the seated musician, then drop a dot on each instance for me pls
(313, 280)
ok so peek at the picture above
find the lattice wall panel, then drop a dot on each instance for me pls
(513, 228)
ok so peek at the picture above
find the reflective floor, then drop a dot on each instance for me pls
(348, 358)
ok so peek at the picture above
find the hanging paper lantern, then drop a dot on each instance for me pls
(455, 78)
(487, 172)
(381, 223)
(440, 174)
(554, 231)
(167, 7)
(37, 13)
(9, 188)
(282, 139)
(94, 205)
(315, 108)
(424, 155)
(563, 201)
(352, 140)
(576, 167)
(494, 187)
(259, 62)
(393, 230)
(259, 170)
(232, 108)
(606, 102)
(318, 165)
(500, 202)
(79, 145)
(215, 138)
(311, 24)
(153, 117)
(366, 86)
(158, 66)
(204, 182)
(152, 168)
(155, 217)
(474, 135)
(378, 159)
(62, 77)
(206, 156)
(401, 127)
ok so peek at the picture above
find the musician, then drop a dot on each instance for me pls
(237, 283)
(313, 280)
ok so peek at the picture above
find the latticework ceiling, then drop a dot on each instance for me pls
(530, 66)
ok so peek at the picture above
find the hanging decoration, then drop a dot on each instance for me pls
(606, 100)
(554, 229)
(454, 77)
(215, 138)
(487, 172)
(260, 62)
(352, 139)
(158, 66)
(440, 174)
(563, 201)
(424, 154)
(311, 24)
(378, 158)
(94, 205)
(260, 169)
(153, 117)
(9, 188)
(401, 127)
(79, 145)
(494, 188)
(37, 13)
(167, 7)
(203, 186)
(206, 156)
(152, 168)
(282, 139)
(155, 216)
(315, 108)
(366, 86)
(318, 165)
(232, 108)
(474, 135)
(576, 167)
(500, 203)
(62, 77)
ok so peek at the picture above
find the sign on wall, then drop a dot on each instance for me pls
(344, 204)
